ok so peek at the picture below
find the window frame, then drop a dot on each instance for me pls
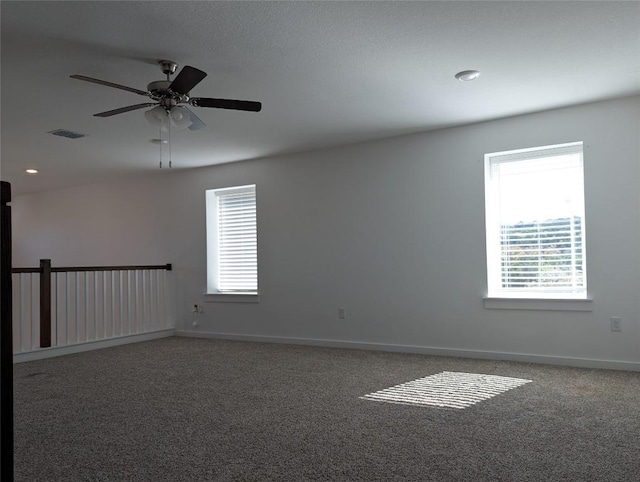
(497, 296)
(213, 292)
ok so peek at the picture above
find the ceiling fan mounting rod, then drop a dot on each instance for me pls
(168, 67)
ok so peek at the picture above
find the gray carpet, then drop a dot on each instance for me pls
(206, 410)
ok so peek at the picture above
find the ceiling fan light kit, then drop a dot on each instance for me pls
(180, 117)
(156, 116)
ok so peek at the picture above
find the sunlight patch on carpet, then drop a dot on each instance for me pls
(447, 389)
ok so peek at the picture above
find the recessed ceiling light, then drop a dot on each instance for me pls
(158, 141)
(31, 171)
(467, 75)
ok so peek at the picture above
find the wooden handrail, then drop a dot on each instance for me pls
(45, 269)
(73, 269)
(25, 270)
(167, 267)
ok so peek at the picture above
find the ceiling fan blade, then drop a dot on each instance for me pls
(122, 110)
(196, 123)
(187, 79)
(109, 84)
(226, 104)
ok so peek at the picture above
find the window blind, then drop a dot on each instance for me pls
(237, 240)
(535, 223)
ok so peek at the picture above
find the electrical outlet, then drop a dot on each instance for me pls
(616, 323)
(342, 313)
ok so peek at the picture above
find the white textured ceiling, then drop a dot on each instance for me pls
(327, 73)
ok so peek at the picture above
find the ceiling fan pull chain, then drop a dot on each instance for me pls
(169, 138)
(160, 145)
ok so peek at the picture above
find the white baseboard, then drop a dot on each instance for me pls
(425, 350)
(90, 345)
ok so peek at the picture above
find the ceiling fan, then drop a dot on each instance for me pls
(169, 95)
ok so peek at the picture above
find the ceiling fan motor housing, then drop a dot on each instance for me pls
(159, 90)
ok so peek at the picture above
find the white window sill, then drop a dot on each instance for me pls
(232, 297)
(548, 304)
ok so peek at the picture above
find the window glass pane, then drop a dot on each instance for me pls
(234, 240)
(535, 223)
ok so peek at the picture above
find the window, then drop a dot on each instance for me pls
(535, 223)
(232, 262)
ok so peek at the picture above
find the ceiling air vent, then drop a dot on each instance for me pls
(67, 134)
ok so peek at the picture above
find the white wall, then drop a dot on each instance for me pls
(392, 230)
